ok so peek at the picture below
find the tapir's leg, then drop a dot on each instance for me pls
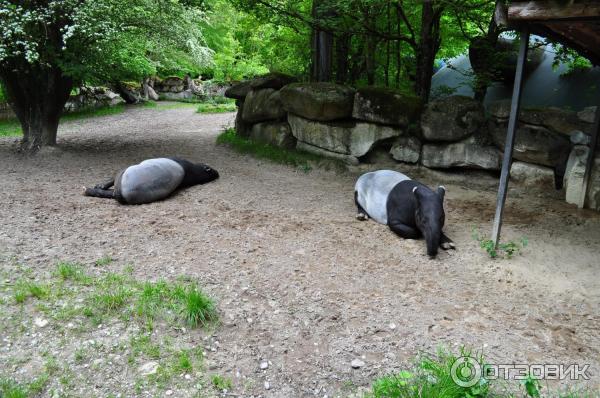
(100, 193)
(446, 243)
(405, 231)
(106, 185)
(361, 214)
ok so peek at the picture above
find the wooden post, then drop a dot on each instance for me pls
(590, 161)
(510, 135)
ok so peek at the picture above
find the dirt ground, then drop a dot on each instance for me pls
(297, 280)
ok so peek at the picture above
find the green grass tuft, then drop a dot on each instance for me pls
(216, 108)
(25, 289)
(11, 389)
(221, 383)
(197, 309)
(104, 261)
(291, 157)
(432, 377)
(10, 128)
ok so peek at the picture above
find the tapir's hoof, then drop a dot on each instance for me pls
(448, 245)
(362, 217)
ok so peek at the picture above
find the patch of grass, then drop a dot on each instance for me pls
(504, 249)
(197, 308)
(10, 128)
(290, 157)
(221, 383)
(104, 261)
(432, 377)
(186, 301)
(216, 108)
(25, 289)
(11, 389)
(88, 113)
(68, 271)
(144, 345)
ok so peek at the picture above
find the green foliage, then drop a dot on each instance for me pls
(103, 40)
(25, 289)
(291, 157)
(532, 387)
(216, 108)
(432, 377)
(573, 61)
(221, 383)
(247, 45)
(504, 249)
(104, 260)
(11, 389)
(10, 128)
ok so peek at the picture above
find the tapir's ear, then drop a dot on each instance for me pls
(441, 191)
(416, 193)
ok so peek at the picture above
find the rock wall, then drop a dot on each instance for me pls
(449, 133)
(323, 118)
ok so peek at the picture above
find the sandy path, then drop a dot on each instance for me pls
(281, 248)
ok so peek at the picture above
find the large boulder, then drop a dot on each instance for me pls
(532, 175)
(574, 178)
(452, 118)
(239, 91)
(349, 159)
(179, 96)
(272, 80)
(170, 85)
(347, 138)
(534, 144)
(588, 115)
(261, 105)
(557, 120)
(460, 154)
(406, 149)
(91, 98)
(385, 106)
(277, 134)
(318, 101)
(241, 127)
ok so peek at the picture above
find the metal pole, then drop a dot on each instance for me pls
(590, 160)
(510, 135)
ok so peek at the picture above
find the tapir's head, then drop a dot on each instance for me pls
(204, 173)
(430, 216)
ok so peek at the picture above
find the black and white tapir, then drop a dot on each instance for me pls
(409, 208)
(152, 180)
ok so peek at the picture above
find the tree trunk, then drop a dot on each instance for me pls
(342, 49)
(322, 48)
(370, 59)
(429, 45)
(37, 96)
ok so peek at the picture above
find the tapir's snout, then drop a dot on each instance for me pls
(432, 240)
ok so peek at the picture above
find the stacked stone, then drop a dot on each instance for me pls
(261, 115)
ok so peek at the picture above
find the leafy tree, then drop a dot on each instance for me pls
(48, 47)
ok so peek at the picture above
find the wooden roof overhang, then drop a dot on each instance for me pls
(574, 23)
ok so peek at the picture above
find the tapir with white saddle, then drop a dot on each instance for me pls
(409, 208)
(152, 180)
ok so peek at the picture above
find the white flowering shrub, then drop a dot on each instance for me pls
(100, 40)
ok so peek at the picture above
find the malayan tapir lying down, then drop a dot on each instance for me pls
(152, 180)
(409, 208)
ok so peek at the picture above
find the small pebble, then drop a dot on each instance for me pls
(357, 364)
(267, 385)
(264, 365)
(40, 323)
